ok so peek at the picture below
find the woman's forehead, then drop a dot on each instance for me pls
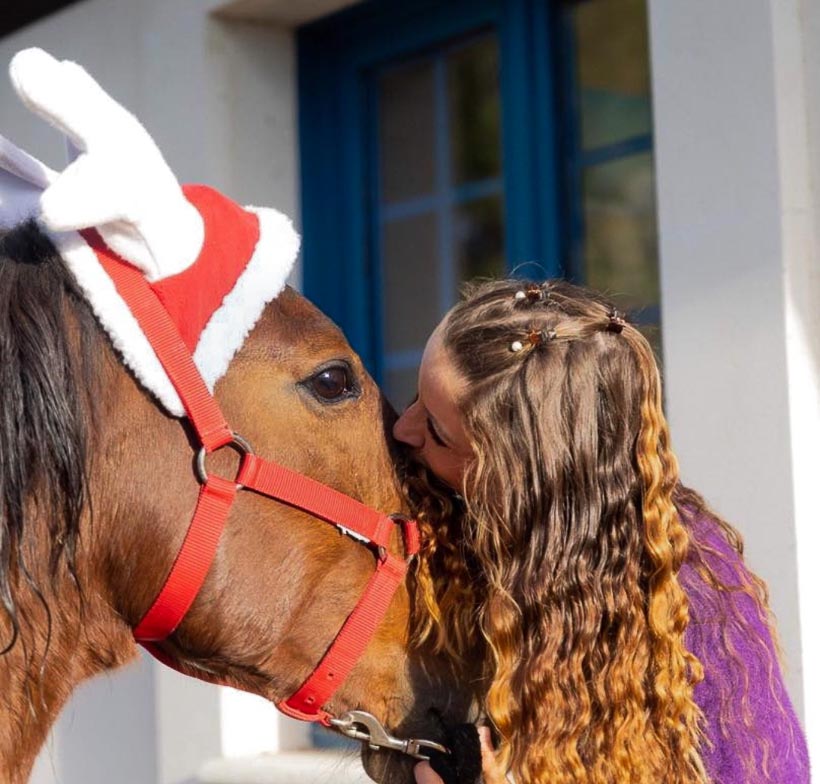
(440, 384)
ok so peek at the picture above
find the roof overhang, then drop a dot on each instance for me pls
(282, 12)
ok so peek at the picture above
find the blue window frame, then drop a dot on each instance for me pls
(342, 215)
(576, 185)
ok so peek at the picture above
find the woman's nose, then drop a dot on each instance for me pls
(407, 429)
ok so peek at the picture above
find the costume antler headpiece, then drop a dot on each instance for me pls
(213, 263)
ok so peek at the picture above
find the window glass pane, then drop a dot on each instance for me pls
(406, 131)
(410, 265)
(401, 386)
(612, 47)
(475, 110)
(479, 239)
(620, 244)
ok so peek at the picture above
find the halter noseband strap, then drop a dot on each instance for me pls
(216, 497)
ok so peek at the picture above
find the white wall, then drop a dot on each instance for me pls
(219, 98)
(797, 36)
(733, 101)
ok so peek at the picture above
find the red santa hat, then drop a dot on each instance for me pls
(213, 264)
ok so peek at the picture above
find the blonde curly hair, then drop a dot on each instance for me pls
(559, 569)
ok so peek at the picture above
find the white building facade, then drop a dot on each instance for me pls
(735, 91)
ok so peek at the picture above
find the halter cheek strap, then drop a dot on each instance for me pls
(216, 496)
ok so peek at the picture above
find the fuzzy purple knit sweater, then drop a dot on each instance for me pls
(753, 740)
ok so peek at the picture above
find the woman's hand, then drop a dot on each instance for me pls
(491, 773)
(424, 774)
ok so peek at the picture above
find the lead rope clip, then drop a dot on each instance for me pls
(365, 727)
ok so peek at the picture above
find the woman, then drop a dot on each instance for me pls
(621, 636)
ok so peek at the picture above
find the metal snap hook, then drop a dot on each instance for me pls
(365, 727)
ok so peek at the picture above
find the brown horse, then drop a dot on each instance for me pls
(97, 490)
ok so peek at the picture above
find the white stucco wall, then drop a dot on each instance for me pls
(735, 96)
(219, 98)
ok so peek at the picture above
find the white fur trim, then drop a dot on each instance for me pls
(117, 320)
(261, 281)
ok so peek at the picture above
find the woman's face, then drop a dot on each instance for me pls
(432, 425)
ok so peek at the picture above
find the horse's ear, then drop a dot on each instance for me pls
(119, 183)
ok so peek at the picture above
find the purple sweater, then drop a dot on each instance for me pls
(763, 728)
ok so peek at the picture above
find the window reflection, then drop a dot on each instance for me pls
(612, 167)
(440, 212)
(407, 132)
(620, 242)
(475, 110)
(613, 71)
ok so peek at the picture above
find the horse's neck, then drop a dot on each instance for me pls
(35, 683)
(64, 637)
(56, 364)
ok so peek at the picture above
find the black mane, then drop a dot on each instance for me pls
(46, 381)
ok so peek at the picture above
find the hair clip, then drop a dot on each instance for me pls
(533, 293)
(539, 337)
(535, 338)
(616, 321)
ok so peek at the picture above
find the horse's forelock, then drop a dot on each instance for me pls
(46, 379)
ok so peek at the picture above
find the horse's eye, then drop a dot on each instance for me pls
(332, 383)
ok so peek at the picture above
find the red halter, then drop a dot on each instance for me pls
(217, 495)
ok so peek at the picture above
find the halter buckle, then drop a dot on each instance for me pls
(409, 535)
(241, 445)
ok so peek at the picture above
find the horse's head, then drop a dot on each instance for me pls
(99, 481)
(282, 582)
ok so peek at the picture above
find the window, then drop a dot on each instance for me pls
(439, 206)
(609, 155)
(442, 141)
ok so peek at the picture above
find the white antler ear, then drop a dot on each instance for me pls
(22, 181)
(120, 183)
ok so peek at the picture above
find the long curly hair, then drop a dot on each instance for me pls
(560, 566)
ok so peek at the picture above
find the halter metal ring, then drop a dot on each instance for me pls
(243, 447)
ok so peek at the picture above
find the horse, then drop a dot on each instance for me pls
(97, 488)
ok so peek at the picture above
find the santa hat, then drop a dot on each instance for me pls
(213, 264)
